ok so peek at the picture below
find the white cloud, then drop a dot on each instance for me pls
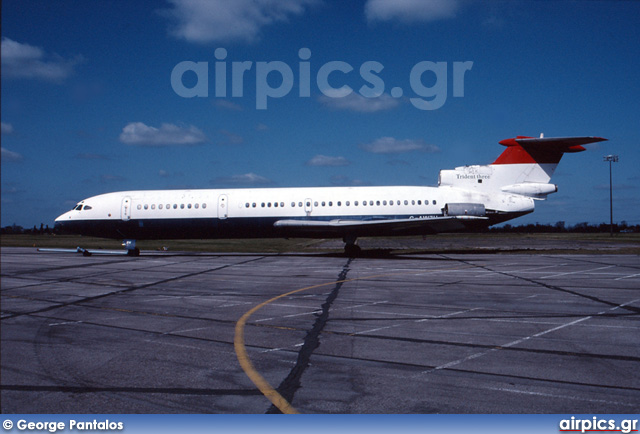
(390, 145)
(7, 128)
(323, 160)
(410, 11)
(137, 133)
(246, 179)
(204, 21)
(228, 105)
(8, 155)
(166, 174)
(358, 103)
(345, 181)
(26, 61)
(231, 138)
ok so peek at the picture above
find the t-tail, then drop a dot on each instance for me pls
(524, 168)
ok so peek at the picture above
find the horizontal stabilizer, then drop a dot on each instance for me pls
(566, 144)
(541, 150)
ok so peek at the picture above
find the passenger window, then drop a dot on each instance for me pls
(197, 205)
(371, 203)
(146, 206)
(434, 202)
(293, 204)
(246, 205)
(189, 206)
(364, 203)
(275, 204)
(281, 204)
(347, 203)
(378, 202)
(355, 203)
(413, 202)
(182, 206)
(330, 203)
(406, 202)
(268, 204)
(152, 206)
(253, 204)
(339, 203)
(160, 206)
(324, 203)
(419, 202)
(384, 202)
(80, 206)
(300, 204)
(315, 203)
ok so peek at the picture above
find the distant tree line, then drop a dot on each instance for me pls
(559, 227)
(15, 229)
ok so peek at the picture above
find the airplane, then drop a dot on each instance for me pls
(467, 198)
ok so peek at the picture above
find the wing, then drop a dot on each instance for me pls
(380, 227)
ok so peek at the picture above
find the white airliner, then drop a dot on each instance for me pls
(466, 198)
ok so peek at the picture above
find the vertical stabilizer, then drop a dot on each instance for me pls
(531, 159)
(524, 168)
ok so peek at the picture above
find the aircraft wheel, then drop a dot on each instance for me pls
(352, 250)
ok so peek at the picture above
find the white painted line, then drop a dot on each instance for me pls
(628, 277)
(551, 395)
(524, 270)
(521, 340)
(64, 323)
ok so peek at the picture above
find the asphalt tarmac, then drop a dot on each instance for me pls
(423, 333)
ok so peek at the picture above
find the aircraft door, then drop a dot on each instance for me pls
(223, 207)
(125, 211)
(308, 206)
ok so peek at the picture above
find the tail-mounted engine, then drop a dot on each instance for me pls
(535, 190)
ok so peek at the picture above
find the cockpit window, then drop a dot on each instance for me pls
(77, 207)
(87, 207)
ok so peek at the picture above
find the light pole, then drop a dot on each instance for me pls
(610, 159)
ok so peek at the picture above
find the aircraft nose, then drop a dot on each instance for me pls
(64, 217)
(62, 222)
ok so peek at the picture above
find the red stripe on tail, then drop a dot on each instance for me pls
(531, 150)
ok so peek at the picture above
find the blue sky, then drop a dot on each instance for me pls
(89, 105)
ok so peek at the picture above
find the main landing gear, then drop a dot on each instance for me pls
(351, 249)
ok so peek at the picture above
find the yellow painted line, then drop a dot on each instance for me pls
(241, 352)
